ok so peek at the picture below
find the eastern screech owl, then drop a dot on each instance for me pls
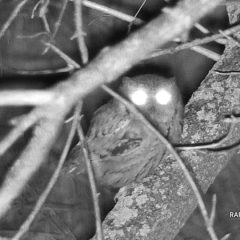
(122, 148)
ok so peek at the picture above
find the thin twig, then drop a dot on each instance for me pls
(79, 31)
(64, 228)
(42, 5)
(213, 211)
(213, 145)
(204, 30)
(201, 28)
(35, 8)
(12, 16)
(57, 24)
(126, 17)
(196, 42)
(39, 34)
(206, 52)
(59, 20)
(75, 34)
(230, 38)
(112, 12)
(135, 16)
(70, 62)
(50, 211)
(95, 194)
(25, 226)
(46, 24)
(230, 72)
(171, 149)
(138, 21)
(226, 237)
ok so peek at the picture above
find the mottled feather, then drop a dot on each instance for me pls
(123, 150)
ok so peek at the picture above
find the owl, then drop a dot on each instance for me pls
(122, 149)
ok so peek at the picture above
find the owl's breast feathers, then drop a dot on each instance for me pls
(122, 149)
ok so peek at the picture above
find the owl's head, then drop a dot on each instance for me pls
(158, 98)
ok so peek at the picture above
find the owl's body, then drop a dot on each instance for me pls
(122, 148)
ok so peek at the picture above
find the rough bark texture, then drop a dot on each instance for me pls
(159, 207)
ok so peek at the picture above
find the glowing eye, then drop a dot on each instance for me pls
(139, 97)
(163, 97)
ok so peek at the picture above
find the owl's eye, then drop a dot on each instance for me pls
(139, 97)
(163, 97)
